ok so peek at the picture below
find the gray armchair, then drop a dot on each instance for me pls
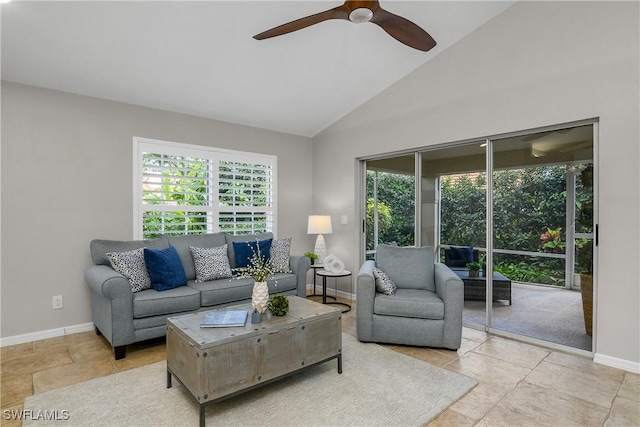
(426, 309)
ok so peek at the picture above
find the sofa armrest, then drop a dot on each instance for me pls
(365, 297)
(450, 288)
(107, 282)
(111, 304)
(300, 265)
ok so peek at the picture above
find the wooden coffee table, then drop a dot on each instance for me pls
(218, 363)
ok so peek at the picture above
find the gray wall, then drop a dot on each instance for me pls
(536, 64)
(67, 178)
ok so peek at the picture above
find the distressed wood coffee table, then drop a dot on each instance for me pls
(218, 363)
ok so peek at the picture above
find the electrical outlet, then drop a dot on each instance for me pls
(344, 220)
(57, 302)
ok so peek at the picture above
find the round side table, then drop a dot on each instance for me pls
(316, 268)
(324, 274)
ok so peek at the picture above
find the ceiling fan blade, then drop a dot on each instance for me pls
(403, 30)
(336, 13)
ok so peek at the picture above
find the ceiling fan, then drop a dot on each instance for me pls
(359, 12)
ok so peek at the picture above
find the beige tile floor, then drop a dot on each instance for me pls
(519, 384)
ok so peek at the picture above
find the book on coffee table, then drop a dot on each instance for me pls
(224, 319)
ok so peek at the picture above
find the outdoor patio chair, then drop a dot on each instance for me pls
(457, 257)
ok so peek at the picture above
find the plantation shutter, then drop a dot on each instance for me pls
(245, 195)
(185, 189)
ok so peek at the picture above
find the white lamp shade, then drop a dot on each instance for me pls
(319, 224)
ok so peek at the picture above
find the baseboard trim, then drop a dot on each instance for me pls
(49, 333)
(615, 362)
(341, 294)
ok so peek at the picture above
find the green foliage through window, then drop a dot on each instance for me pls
(183, 194)
(396, 208)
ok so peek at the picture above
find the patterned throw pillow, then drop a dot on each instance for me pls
(211, 263)
(280, 250)
(383, 283)
(131, 265)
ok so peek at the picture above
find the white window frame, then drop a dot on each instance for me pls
(215, 155)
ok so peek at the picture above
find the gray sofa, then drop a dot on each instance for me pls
(426, 309)
(125, 317)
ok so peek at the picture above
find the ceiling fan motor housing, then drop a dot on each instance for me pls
(360, 15)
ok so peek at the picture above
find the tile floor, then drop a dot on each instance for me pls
(519, 384)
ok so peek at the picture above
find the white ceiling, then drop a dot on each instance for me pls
(199, 57)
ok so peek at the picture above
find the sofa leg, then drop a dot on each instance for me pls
(98, 333)
(120, 352)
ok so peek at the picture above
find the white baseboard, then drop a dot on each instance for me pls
(49, 333)
(341, 294)
(85, 327)
(614, 362)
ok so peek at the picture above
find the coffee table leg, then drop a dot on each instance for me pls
(202, 412)
(168, 379)
(340, 363)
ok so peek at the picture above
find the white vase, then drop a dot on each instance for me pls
(260, 296)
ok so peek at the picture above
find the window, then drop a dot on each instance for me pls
(188, 189)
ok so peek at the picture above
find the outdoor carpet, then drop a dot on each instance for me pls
(378, 386)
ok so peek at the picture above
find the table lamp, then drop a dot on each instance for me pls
(319, 224)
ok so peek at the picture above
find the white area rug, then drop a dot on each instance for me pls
(377, 387)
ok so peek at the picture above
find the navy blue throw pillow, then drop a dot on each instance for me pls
(165, 269)
(244, 251)
(460, 256)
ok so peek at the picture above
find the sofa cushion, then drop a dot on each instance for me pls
(281, 254)
(408, 267)
(211, 263)
(132, 266)
(383, 283)
(165, 269)
(153, 303)
(183, 244)
(230, 239)
(100, 247)
(245, 251)
(410, 303)
(282, 282)
(222, 291)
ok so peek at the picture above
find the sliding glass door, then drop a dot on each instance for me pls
(521, 206)
(453, 206)
(534, 195)
(390, 203)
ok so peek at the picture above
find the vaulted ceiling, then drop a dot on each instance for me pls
(199, 57)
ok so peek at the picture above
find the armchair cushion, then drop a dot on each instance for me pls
(407, 267)
(416, 303)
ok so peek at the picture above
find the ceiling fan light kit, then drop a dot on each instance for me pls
(360, 15)
(359, 12)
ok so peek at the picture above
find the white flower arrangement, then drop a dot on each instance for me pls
(259, 269)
